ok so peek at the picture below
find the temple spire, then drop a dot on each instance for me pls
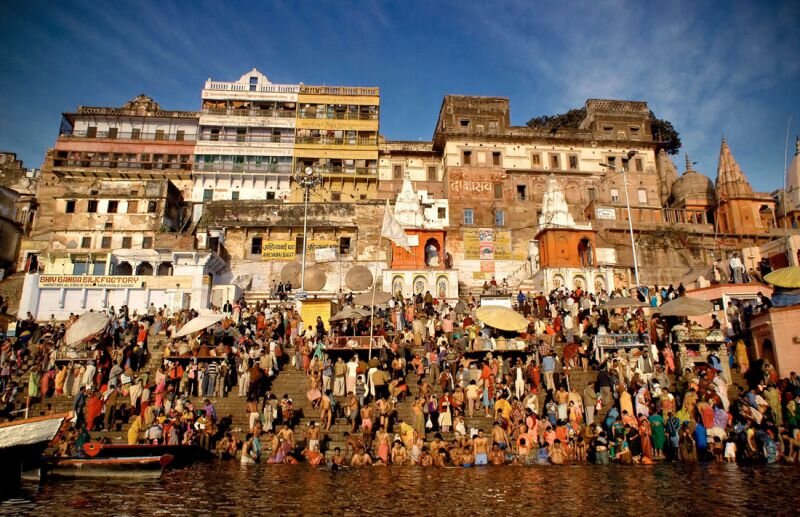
(731, 181)
(668, 174)
(688, 163)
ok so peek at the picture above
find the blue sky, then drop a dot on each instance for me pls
(712, 68)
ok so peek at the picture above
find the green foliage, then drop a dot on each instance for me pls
(569, 120)
(663, 131)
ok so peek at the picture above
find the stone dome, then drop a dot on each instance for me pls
(695, 186)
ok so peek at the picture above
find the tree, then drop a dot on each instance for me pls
(663, 132)
(569, 120)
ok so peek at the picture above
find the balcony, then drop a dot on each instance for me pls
(270, 139)
(335, 170)
(125, 135)
(333, 115)
(340, 90)
(276, 168)
(108, 164)
(239, 87)
(249, 112)
(330, 140)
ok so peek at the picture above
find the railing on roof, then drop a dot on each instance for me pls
(249, 112)
(340, 90)
(239, 87)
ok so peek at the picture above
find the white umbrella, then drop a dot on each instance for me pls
(366, 298)
(199, 323)
(89, 324)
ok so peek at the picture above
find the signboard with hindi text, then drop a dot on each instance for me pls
(281, 249)
(487, 244)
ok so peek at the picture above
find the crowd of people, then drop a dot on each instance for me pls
(439, 392)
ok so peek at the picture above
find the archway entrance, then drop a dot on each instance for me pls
(432, 253)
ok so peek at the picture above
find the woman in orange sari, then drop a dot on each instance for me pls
(646, 433)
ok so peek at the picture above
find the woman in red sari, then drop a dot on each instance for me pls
(94, 406)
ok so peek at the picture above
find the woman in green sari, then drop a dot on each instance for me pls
(659, 437)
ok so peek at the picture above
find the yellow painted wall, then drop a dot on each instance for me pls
(337, 124)
(313, 308)
(344, 152)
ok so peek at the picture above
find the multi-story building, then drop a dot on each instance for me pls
(245, 140)
(337, 134)
(112, 203)
(254, 136)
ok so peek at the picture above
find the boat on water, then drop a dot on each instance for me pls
(182, 454)
(142, 467)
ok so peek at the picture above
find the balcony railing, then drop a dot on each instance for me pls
(108, 164)
(304, 114)
(238, 87)
(280, 168)
(249, 112)
(128, 135)
(340, 90)
(355, 171)
(329, 140)
(272, 139)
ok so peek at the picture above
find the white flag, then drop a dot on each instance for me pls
(393, 231)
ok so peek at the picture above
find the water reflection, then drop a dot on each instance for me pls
(228, 488)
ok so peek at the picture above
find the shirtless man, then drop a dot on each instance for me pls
(351, 410)
(399, 454)
(366, 425)
(325, 415)
(441, 458)
(480, 447)
(425, 458)
(353, 443)
(499, 436)
(285, 435)
(385, 410)
(557, 453)
(313, 435)
(496, 456)
(436, 444)
(384, 442)
(473, 394)
(338, 458)
(360, 459)
(465, 458)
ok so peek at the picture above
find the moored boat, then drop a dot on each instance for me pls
(182, 454)
(143, 467)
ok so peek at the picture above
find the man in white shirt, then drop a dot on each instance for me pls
(737, 268)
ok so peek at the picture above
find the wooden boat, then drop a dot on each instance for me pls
(182, 454)
(145, 467)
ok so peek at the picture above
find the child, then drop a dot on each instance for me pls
(717, 449)
(730, 450)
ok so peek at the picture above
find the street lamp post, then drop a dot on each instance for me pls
(308, 178)
(631, 154)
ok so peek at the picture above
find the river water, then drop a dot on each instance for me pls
(230, 489)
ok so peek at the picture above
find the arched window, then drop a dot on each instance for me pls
(144, 269)
(164, 269)
(432, 250)
(123, 269)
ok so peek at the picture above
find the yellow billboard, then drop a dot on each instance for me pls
(287, 249)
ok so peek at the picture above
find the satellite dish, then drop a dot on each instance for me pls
(315, 279)
(358, 278)
(291, 273)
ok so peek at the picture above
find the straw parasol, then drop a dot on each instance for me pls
(199, 323)
(501, 318)
(623, 302)
(89, 324)
(348, 313)
(686, 306)
(380, 298)
(291, 273)
(788, 277)
(358, 278)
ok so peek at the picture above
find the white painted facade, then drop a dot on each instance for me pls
(189, 286)
(246, 139)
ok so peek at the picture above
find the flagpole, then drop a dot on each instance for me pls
(372, 305)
